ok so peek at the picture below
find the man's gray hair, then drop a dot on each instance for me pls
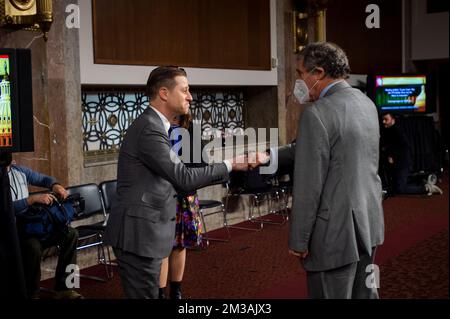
(326, 55)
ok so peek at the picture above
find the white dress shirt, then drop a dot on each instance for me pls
(164, 119)
(166, 124)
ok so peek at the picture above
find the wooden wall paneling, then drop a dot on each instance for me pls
(259, 34)
(369, 50)
(196, 33)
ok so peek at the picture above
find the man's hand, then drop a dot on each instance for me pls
(240, 163)
(46, 199)
(61, 191)
(257, 159)
(300, 254)
(390, 160)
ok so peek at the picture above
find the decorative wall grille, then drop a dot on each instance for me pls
(107, 114)
(218, 110)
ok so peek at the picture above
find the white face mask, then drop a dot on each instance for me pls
(301, 90)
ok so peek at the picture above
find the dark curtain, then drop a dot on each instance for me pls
(12, 281)
(424, 142)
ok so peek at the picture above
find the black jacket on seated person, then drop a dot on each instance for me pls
(32, 248)
(394, 144)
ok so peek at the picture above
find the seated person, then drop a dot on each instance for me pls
(396, 159)
(32, 248)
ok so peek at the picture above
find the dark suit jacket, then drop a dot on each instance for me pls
(143, 219)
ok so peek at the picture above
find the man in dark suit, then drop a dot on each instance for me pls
(141, 225)
(337, 218)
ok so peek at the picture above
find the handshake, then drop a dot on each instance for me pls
(249, 161)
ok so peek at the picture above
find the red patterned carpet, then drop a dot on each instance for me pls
(413, 260)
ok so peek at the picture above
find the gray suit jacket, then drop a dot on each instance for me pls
(337, 191)
(143, 219)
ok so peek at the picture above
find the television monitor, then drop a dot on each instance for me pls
(407, 93)
(16, 102)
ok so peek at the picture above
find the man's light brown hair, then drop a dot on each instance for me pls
(163, 76)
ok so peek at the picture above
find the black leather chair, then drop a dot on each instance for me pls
(91, 233)
(286, 194)
(213, 207)
(237, 187)
(108, 190)
(260, 189)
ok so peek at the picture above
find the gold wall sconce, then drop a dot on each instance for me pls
(31, 15)
(305, 10)
(300, 25)
(319, 13)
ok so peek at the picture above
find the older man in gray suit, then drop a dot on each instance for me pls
(141, 226)
(337, 218)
